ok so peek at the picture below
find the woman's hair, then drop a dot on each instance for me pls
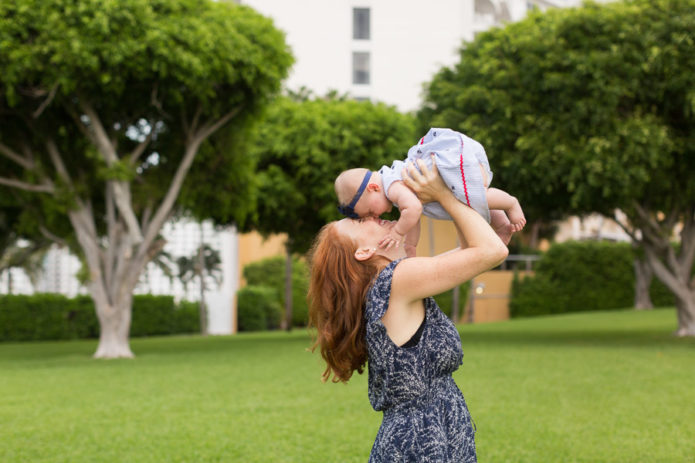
(337, 290)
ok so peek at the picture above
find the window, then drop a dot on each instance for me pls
(360, 67)
(360, 23)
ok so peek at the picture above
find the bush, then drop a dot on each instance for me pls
(581, 276)
(258, 309)
(445, 300)
(159, 315)
(56, 317)
(271, 273)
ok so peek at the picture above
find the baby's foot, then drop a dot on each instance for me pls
(516, 217)
(500, 224)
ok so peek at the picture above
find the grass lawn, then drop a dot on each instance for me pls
(593, 387)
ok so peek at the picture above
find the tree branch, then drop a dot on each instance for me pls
(46, 102)
(663, 274)
(189, 155)
(16, 157)
(626, 228)
(99, 135)
(146, 214)
(111, 225)
(650, 229)
(59, 241)
(121, 190)
(688, 242)
(156, 103)
(137, 152)
(13, 183)
(57, 160)
(212, 127)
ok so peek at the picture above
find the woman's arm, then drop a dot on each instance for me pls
(481, 248)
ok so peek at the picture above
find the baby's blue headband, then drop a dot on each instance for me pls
(349, 210)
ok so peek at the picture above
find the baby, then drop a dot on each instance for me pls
(464, 167)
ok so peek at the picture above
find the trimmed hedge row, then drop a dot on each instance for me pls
(260, 305)
(258, 308)
(42, 317)
(581, 276)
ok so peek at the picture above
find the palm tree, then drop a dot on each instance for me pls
(205, 262)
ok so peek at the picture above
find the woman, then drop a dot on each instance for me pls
(370, 303)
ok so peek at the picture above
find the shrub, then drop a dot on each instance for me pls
(445, 300)
(258, 309)
(159, 315)
(581, 276)
(57, 317)
(271, 273)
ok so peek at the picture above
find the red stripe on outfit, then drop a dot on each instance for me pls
(463, 176)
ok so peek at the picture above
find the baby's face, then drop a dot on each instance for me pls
(373, 204)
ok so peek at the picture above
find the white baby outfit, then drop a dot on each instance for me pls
(458, 158)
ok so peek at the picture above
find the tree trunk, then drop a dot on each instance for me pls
(535, 233)
(455, 296)
(686, 315)
(675, 274)
(643, 280)
(287, 325)
(202, 308)
(114, 323)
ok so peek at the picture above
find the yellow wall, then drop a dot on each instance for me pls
(253, 247)
(488, 298)
(443, 234)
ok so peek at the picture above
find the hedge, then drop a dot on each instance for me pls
(445, 301)
(258, 308)
(41, 317)
(581, 276)
(270, 273)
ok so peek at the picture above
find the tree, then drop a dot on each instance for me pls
(302, 145)
(205, 262)
(591, 109)
(110, 112)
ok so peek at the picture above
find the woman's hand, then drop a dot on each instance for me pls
(426, 183)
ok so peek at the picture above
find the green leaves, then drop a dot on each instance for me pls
(581, 109)
(302, 146)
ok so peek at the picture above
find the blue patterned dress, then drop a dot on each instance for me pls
(425, 416)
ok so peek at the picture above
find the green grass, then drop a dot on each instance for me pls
(592, 387)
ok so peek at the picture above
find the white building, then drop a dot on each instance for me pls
(383, 50)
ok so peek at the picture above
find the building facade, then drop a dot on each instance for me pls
(383, 50)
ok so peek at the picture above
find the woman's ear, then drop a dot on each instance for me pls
(362, 254)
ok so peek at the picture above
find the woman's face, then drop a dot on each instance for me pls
(367, 232)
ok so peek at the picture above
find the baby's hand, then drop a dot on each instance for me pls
(392, 239)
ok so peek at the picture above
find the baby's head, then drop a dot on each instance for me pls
(361, 193)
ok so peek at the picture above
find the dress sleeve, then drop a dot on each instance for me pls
(390, 175)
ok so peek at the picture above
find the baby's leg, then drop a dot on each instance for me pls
(500, 223)
(498, 199)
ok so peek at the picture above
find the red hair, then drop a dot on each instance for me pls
(337, 289)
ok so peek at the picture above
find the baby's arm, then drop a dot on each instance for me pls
(411, 240)
(410, 208)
